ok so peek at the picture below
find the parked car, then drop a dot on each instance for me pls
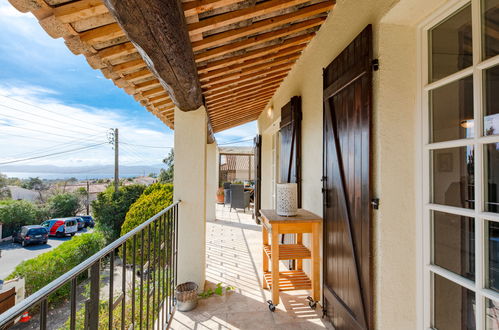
(61, 227)
(30, 235)
(89, 221)
(80, 222)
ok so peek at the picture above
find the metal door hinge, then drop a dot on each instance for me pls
(375, 203)
(324, 312)
(324, 178)
(375, 64)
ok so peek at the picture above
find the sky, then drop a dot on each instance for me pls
(52, 101)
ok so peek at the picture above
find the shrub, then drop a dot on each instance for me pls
(154, 199)
(110, 208)
(63, 205)
(48, 266)
(14, 214)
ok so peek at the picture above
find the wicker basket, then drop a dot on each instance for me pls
(187, 296)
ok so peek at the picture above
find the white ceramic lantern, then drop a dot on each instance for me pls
(287, 199)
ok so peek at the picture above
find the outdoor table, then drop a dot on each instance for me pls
(296, 279)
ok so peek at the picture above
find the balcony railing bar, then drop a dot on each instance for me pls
(166, 219)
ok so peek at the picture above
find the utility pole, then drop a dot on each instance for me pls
(116, 166)
(88, 198)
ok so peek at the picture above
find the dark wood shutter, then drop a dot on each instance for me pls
(290, 144)
(258, 177)
(347, 186)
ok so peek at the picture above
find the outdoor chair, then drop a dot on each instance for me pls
(226, 193)
(239, 199)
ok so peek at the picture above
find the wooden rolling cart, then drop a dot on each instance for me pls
(296, 279)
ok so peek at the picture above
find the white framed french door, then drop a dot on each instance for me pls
(460, 166)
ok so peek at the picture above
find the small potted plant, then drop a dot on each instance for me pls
(220, 195)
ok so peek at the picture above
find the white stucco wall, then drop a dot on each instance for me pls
(211, 180)
(395, 139)
(190, 187)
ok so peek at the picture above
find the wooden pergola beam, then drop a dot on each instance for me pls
(218, 64)
(266, 24)
(272, 72)
(253, 69)
(76, 11)
(250, 110)
(242, 95)
(259, 39)
(117, 51)
(235, 103)
(252, 84)
(159, 31)
(234, 93)
(200, 6)
(238, 122)
(218, 21)
(138, 75)
(236, 108)
(292, 51)
(103, 33)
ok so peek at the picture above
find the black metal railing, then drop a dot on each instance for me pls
(145, 300)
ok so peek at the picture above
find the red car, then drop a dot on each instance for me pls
(61, 227)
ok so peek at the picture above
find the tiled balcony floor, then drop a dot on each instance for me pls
(234, 257)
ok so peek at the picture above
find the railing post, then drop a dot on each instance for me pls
(93, 305)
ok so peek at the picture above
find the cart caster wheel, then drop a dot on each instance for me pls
(312, 303)
(271, 305)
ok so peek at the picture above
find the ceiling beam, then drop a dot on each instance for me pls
(253, 69)
(255, 109)
(232, 17)
(252, 84)
(259, 39)
(266, 24)
(216, 115)
(231, 104)
(238, 122)
(272, 72)
(295, 50)
(117, 51)
(236, 97)
(76, 11)
(103, 33)
(159, 31)
(200, 6)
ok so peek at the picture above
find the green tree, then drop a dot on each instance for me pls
(166, 175)
(110, 208)
(4, 190)
(14, 214)
(63, 205)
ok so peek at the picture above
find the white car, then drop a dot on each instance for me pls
(61, 227)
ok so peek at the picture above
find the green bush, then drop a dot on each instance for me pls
(154, 199)
(63, 205)
(14, 214)
(110, 208)
(48, 266)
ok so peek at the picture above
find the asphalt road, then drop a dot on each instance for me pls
(13, 253)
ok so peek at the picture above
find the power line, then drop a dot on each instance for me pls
(51, 119)
(37, 106)
(39, 124)
(146, 146)
(37, 130)
(93, 138)
(52, 154)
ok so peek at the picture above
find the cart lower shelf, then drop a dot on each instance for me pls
(290, 251)
(290, 280)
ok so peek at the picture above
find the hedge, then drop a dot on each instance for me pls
(48, 266)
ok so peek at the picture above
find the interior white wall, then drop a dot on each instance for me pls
(191, 188)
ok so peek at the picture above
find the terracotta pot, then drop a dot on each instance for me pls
(220, 199)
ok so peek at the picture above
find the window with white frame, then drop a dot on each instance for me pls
(461, 167)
